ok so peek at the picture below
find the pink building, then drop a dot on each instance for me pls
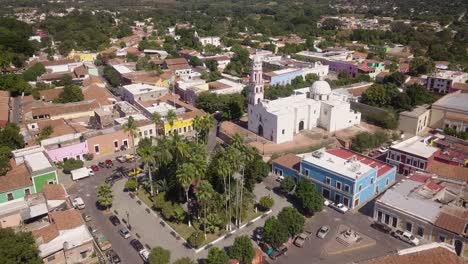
(75, 151)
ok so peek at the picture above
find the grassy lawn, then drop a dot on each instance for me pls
(251, 215)
(183, 229)
(145, 197)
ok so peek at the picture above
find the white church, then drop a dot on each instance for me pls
(279, 120)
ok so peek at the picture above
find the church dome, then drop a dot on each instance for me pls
(320, 88)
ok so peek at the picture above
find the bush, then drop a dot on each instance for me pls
(365, 141)
(266, 203)
(287, 184)
(196, 239)
(89, 156)
(131, 185)
(71, 164)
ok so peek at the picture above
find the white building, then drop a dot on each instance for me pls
(138, 92)
(443, 80)
(215, 41)
(279, 120)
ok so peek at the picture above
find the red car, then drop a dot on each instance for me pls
(95, 168)
(109, 163)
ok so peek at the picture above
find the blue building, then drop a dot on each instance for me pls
(341, 175)
(282, 77)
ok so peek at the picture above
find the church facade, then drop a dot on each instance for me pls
(279, 120)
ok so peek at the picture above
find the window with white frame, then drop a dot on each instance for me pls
(360, 187)
(372, 180)
(338, 185)
(420, 231)
(409, 226)
(96, 149)
(328, 180)
(346, 188)
(306, 172)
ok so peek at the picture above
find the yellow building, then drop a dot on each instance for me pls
(82, 56)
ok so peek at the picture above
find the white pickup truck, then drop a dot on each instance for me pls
(78, 203)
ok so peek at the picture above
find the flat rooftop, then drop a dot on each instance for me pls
(416, 146)
(418, 111)
(456, 101)
(403, 197)
(344, 162)
(139, 88)
(38, 161)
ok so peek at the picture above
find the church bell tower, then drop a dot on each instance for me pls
(256, 82)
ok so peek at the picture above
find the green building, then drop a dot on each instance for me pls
(32, 171)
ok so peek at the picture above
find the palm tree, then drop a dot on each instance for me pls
(204, 194)
(147, 155)
(179, 147)
(156, 118)
(104, 195)
(171, 117)
(131, 128)
(185, 176)
(203, 124)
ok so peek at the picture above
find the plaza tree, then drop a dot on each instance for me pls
(308, 197)
(217, 256)
(104, 195)
(274, 232)
(290, 218)
(242, 250)
(159, 255)
(131, 127)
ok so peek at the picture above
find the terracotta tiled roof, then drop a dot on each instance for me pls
(4, 107)
(445, 170)
(47, 233)
(431, 256)
(17, 177)
(60, 127)
(452, 223)
(289, 161)
(93, 80)
(80, 70)
(59, 109)
(176, 61)
(65, 220)
(54, 76)
(50, 94)
(359, 91)
(174, 67)
(142, 77)
(460, 86)
(54, 192)
(98, 93)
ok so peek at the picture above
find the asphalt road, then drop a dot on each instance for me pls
(86, 189)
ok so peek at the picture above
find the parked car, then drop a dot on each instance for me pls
(258, 234)
(90, 172)
(280, 178)
(78, 203)
(95, 168)
(102, 164)
(381, 227)
(121, 159)
(136, 244)
(109, 163)
(266, 248)
(92, 229)
(301, 239)
(327, 202)
(113, 257)
(114, 220)
(323, 231)
(144, 254)
(135, 172)
(339, 207)
(130, 157)
(281, 250)
(86, 217)
(406, 236)
(124, 232)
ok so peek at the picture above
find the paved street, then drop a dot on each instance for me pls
(86, 188)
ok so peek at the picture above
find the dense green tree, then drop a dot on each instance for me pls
(203, 124)
(33, 72)
(242, 250)
(212, 65)
(195, 61)
(104, 195)
(365, 141)
(11, 137)
(71, 164)
(420, 65)
(131, 184)
(5, 156)
(18, 247)
(159, 255)
(196, 239)
(45, 133)
(396, 78)
(287, 184)
(112, 76)
(274, 232)
(255, 171)
(308, 197)
(185, 260)
(266, 202)
(331, 24)
(217, 256)
(15, 84)
(419, 95)
(70, 94)
(292, 220)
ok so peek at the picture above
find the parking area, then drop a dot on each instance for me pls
(314, 249)
(86, 189)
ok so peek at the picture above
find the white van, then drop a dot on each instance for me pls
(81, 173)
(78, 203)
